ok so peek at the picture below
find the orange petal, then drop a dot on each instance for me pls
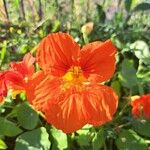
(15, 79)
(57, 53)
(101, 104)
(140, 106)
(3, 86)
(63, 109)
(69, 114)
(25, 67)
(98, 60)
(29, 60)
(1, 100)
(137, 105)
(69, 110)
(39, 90)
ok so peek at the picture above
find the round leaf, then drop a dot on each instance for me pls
(27, 117)
(128, 74)
(129, 140)
(141, 51)
(60, 139)
(98, 140)
(8, 128)
(142, 127)
(33, 140)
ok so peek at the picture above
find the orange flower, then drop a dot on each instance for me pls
(140, 106)
(3, 87)
(20, 74)
(67, 90)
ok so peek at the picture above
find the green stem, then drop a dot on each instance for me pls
(141, 91)
(105, 146)
(122, 111)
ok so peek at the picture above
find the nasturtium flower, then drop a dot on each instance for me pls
(20, 73)
(67, 89)
(3, 86)
(141, 106)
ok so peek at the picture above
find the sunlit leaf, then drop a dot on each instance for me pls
(83, 138)
(141, 51)
(2, 144)
(3, 51)
(8, 128)
(33, 140)
(55, 26)
(60, 139)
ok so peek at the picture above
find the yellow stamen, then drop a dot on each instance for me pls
(15, 93)
(74, 77)
(26, 79)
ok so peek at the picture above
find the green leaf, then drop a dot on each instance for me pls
(3, 51)
(27, 117)
(84, 130)
(60, 139)
(8, 128)
(129, 140)
(141, 51)
(142, 7)
(83, 138)
(33, 140)
(143, 73)
(2, 144)
(55, 26)
(128, 74)
(128, 4)
(98, 140)
(116, 86)
(142, 126)
(101, 13)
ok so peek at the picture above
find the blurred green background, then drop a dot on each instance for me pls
(23, 23)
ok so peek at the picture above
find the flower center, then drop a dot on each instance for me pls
(73, 77)
(74, 74)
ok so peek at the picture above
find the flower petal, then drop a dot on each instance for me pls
(68, 114)
(140, 106)
(101, 104)
(3, 86)
(63, 109)
(69, 110)
(29, 60)
(57, 53)
(1, 99)
(98, 60)
(39, 90)
(25, 67)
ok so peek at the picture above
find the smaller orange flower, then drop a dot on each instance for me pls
(141, 106)
(20, 73)
(3, 87)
